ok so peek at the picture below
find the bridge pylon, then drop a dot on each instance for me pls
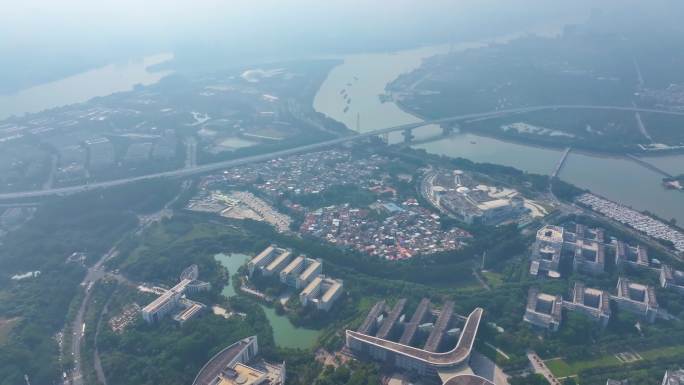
(408, 135)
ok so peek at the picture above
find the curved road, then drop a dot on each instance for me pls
(311, 147)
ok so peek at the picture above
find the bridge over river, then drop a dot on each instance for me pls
(405, 128)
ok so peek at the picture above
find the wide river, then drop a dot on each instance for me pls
(363, 78)
(84, 86)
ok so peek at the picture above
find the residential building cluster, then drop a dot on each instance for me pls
(389, 228)
(301, 273)
(386, 230)
(173, 299)
(239, 364)
(433, 343)
(310, 173)
(644, 223)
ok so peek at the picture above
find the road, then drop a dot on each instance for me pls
(200, 169)
(540, 368)
(190, 152)
(95, 273)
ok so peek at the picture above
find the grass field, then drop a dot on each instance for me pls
(562, 368)
(493, 279)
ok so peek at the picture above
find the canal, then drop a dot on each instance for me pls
(284, 332)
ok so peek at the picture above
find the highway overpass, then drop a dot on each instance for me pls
(200, 169)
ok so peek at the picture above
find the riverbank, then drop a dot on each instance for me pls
(618, 179)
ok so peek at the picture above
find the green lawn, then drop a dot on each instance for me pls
(562, 368)
(493, 279)
(662, 352)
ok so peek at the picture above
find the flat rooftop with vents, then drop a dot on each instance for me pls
(594, 303)
(637, 298)
(543, 310)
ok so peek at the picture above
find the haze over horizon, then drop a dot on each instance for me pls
(48, 40)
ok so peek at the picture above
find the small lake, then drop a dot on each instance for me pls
(82, 87)
(232, 263)
(284, 332)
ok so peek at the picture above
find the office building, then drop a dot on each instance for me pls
(238, 364)
(637, 298)
(593, 303)
(410, 358)
(543, 310)
(672, 279)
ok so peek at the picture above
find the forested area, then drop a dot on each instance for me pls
(91, 223)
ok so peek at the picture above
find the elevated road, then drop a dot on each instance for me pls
(200, 169)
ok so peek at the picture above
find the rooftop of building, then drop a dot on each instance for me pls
(591, 298)
(311, 269)
(456, 356)
(280, 259)
(189, 312)
(468, 379)
(313, 285)
(542, 303)
(335, 286)
(553, 234)
(213, 368)
(167, 296)
(293, 265)
(675, 377)
(636, 292)
(264, 254)
(240, 374)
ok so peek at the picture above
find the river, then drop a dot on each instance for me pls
(284, 332)
(364, 77)
(84, 86)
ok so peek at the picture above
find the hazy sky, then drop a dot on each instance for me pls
(44, 39)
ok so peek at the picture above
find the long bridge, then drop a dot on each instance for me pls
(561, 162)
(406, 129)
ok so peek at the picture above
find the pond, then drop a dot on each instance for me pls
(285, 333)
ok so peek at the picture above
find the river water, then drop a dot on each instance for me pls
(84, 86)
(284, 332)
(364, 77)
